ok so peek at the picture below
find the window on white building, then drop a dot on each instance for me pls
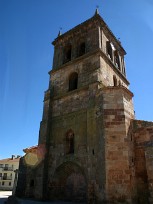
(5, 176)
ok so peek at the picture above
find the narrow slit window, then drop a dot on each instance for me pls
(82, 49)
(67, 54)
(73, 81)
(70, 142)
(115, 80)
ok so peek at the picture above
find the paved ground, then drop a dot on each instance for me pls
(4, 195)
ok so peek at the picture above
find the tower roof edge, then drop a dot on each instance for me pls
(95, 17)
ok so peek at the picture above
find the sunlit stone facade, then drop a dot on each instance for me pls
(93, 148)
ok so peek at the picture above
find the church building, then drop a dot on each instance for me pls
(94, 150)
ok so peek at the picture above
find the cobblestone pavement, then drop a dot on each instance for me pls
(4, 195)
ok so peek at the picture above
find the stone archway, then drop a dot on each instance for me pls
(68, 183)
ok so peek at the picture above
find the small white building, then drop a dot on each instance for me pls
(7, 172)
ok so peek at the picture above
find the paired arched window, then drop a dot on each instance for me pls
(70, 142)
(73, 81)
(114, 55)
(67, 52)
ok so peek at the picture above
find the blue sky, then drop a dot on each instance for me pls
(27, 28)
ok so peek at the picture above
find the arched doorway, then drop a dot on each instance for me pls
(68, 183)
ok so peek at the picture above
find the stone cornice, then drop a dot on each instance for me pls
(119, 87)
(88, 55)
(69, 93)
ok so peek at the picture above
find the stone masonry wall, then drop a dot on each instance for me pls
(98, 117)
(88, 34)
(149, 167)
(106, 74)
(81, 112)
(143, 137)
(117, 103)
(86, 69)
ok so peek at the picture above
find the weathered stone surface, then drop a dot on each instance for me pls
(95, 150)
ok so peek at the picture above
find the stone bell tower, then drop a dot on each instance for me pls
(86, 119)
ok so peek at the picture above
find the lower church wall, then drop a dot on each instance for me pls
(81, 168)
(143, 137)
(102, 167)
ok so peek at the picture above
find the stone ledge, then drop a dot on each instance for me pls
(119, 87)
(137, 124)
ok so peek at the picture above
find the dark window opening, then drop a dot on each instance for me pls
(70, 142)
(93, 151)
(109, 50)
(5, 176)
(115, 81)
(3, 183)
(67, 54)
(82, 49)
(124, 70)
(9, 183)
(73, 81)
(32, 183)
(117, 60)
